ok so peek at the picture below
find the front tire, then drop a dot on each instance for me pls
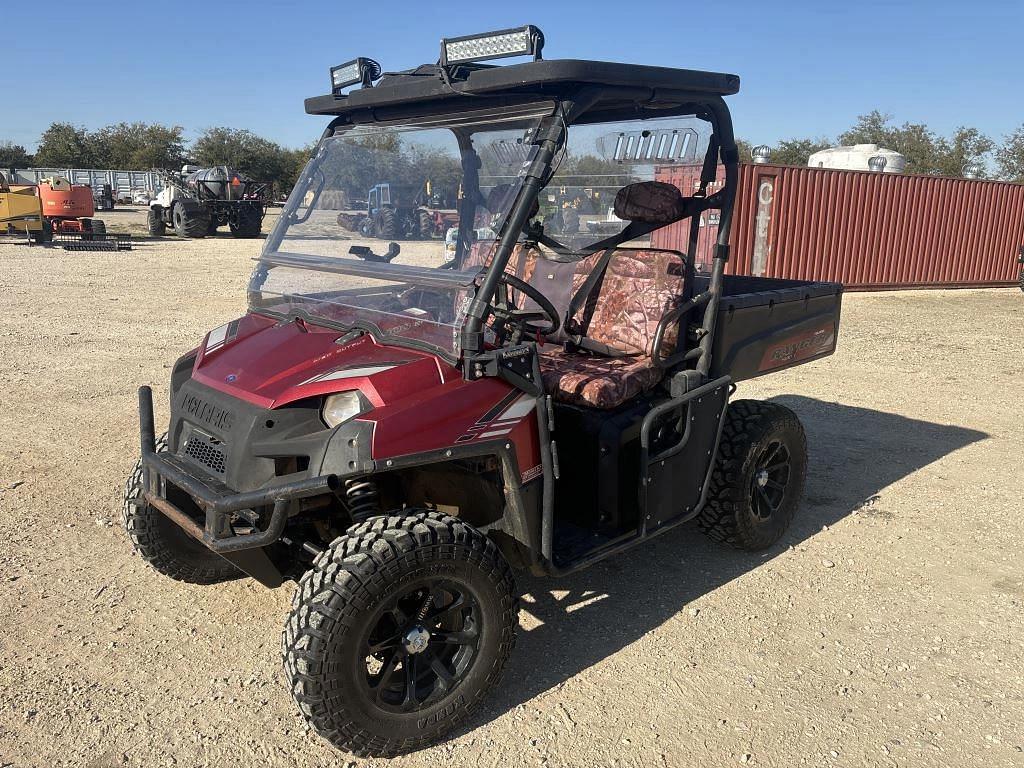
(425, 225)
(155, 222)
(759, 477)
(399, 631)
(163, 544)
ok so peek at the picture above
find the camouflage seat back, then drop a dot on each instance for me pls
(521, 263)
(624, 309)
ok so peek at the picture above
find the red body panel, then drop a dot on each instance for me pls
(862, 229)
(420, 403)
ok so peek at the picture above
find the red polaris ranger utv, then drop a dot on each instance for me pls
(401, 425)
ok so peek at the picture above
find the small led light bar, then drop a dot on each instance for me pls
(521, 41)
(361, 70)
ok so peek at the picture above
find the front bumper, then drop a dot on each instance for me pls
(218, 502)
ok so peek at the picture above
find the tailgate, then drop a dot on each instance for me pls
(785, 323)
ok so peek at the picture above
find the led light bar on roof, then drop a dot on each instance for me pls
(522, 41)
(361, 70)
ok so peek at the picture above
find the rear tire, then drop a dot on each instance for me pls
(155, 222)
(163, 544)
(192, 224)
(250, 222)
(363, 648)
(385, 228)
(758, 478)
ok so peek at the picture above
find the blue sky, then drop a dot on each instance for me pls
(807, 68)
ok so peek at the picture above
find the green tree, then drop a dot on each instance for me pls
(64, 145)
(254, 156)
(912, 140)
(1010, 156)
(138, 146)
(14, 156)
(797, 151)
(593, 171)
(925, 151)
(294, 161)
(745, 149)
(966, 146)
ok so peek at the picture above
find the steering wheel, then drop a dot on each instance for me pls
(505, 310)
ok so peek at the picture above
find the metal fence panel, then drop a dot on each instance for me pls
(122, 183)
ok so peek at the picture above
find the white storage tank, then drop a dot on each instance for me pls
(859, 157)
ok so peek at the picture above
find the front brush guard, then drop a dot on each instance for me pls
(217, 501)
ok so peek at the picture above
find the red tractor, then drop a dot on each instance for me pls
(401, 432)
(69, 207)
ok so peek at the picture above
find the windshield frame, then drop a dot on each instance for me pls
(535, 174)
(465, 128)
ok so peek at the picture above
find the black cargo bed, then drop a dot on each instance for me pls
(766, 324)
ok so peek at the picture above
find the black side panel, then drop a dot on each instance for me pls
(768, 330)
(599, 463)
(683, 443)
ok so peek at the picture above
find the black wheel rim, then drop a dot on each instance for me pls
(769, 480)
(421, 645)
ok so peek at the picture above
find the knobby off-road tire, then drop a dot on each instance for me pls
(155, 222)
(371, 588)
(192, 224)
(424, 225)
(386, 226)
(758, 479)
(249, 222)
(164, 545)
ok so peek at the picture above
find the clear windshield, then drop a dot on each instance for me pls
(379, 230)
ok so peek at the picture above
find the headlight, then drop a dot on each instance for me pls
(343, 406)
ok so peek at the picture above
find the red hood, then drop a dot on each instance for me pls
(271, 363)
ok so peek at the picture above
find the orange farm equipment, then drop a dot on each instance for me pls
(69, 207)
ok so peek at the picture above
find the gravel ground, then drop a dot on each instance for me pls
(885, 630)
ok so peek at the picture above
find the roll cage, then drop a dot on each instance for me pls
(582, 92)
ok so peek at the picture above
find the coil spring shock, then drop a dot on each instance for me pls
(362, 498)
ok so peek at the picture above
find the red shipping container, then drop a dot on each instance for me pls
(863, 229)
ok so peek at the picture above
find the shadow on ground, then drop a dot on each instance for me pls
(853, 454)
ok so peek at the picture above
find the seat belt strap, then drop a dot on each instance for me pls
(595, 277)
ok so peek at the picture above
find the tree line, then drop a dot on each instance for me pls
(926, 151)
(144, 146)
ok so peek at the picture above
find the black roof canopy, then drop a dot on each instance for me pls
(622, 89)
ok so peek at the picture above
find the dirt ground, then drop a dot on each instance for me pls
(884, 631)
